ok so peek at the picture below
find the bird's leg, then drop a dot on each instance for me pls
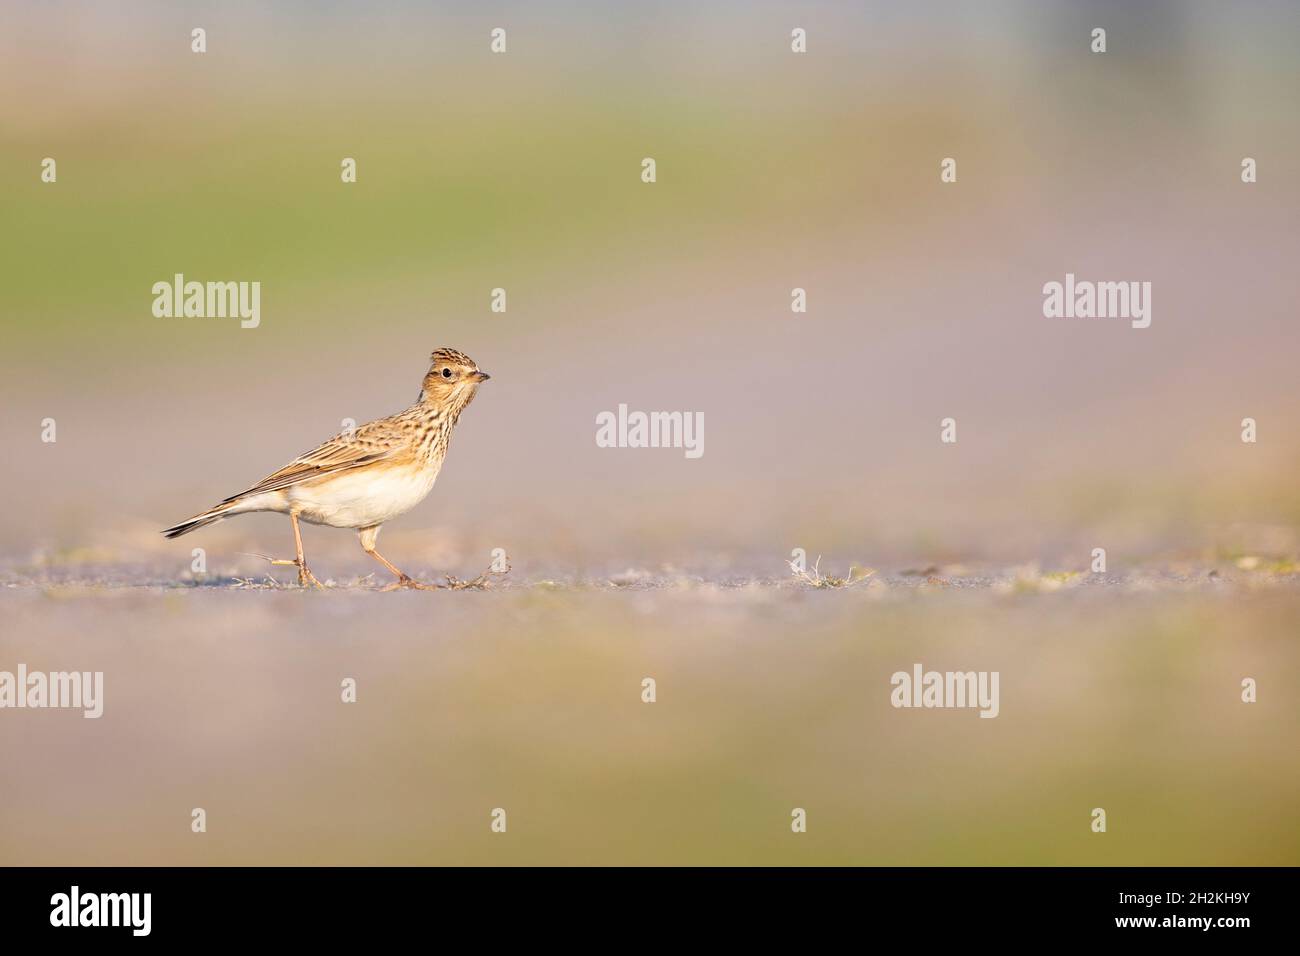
(368, 537)
(305, 576)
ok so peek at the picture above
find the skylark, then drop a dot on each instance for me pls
(367, 476)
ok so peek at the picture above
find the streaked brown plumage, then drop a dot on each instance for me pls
(363, 478)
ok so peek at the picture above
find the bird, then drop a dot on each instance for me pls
(367, 475)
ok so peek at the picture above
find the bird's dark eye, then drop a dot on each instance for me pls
(446, 373)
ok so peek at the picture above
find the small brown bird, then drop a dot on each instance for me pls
(368, 475)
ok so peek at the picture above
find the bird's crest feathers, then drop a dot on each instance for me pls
(453, 356)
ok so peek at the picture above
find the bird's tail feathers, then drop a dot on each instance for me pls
(216, 514)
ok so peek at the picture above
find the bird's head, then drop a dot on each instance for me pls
(453, 379)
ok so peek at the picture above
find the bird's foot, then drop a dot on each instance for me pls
(406, 581)
(305, 577)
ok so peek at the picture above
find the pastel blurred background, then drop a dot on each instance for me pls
(775, 171)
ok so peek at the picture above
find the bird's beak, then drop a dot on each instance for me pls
(478, 376)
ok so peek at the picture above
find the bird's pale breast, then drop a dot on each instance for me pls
(366, 496)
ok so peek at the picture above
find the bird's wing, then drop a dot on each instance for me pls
(343, 452)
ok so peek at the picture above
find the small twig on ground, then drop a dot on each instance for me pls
(287, 562)
(270, 584)
(480, 583)
(816, 579)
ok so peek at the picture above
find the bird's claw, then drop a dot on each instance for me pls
(305, 577)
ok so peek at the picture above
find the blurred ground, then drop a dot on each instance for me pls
(1121, 692)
